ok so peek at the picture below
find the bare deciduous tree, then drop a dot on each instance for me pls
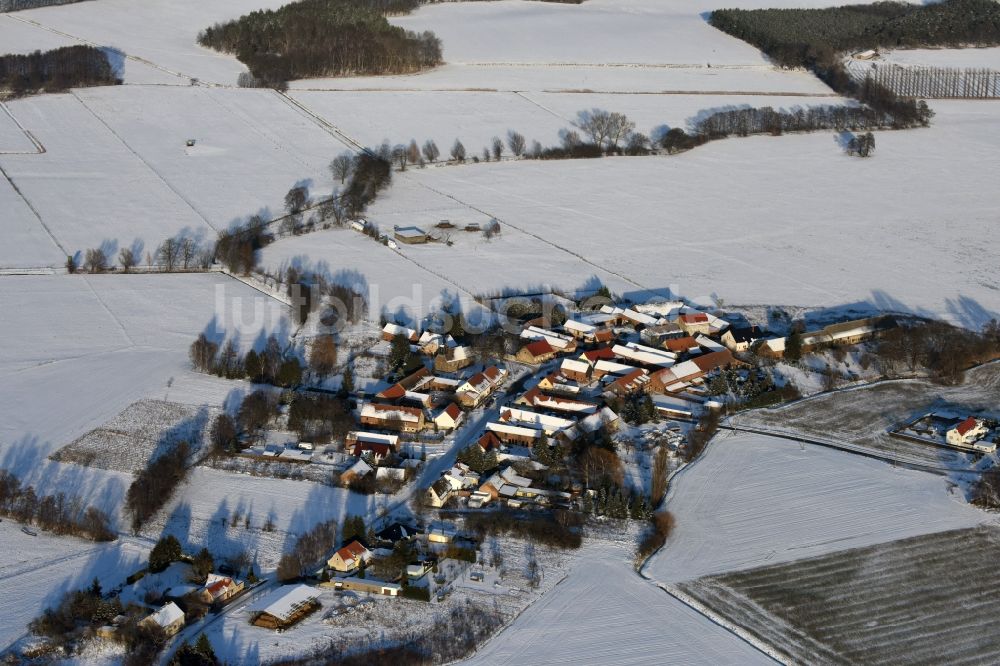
(127, 259)
(516, 143)
(430, 150)
(458, 151)
(340, 167)
(95, 261)
(168, 254)
(497, 148)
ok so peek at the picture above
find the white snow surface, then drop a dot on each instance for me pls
(752, 500)
(602, 612)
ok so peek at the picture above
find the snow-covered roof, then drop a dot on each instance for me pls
(549, 423)
(167, 615)
(709, 343)
(508, 429)
(372, 438)
(595, 421)
(659, 358)
(579, 326)
(395, 329)
(374, 411)
(557, 340)
(360, 468)
(574, 365)
(613, 368)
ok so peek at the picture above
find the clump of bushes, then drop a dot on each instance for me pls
(661, 525)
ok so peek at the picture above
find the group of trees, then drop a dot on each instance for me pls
(613, 501)
(56, 70)
(661, 525)
(57, 513)
(236, 249)
(559, 528)
(273, 364)
(315, 38)
(943, 350)
(78, 608)
(317, 417)
(153, 486)
(309, 551)
(766, 120)
(938, 82)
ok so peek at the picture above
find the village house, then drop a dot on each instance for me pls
(488, 442)
(556, 382)
(429, 343)
(435, 384)
(475, 390)
(579, 329)
(578, 371)
(630, 384)
(514, 434)
(642, 355)
(708, 344)
(535, 353)
(349, 558)
(449, 418)
(439, 493)
(592, 356)
(359, 470)
(220, 588)
(536, 398)
(377, 451)
(284, 607)
(682, 345)
(559, 341)
(453, 359)
(390, 331)
(741, 339)
(602, 368)
(525, 417)
(967, 432)
(660, 333)
(680, 376)
(392, 417)
(694, 322)
(170, 618)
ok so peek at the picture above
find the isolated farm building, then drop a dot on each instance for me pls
(576, 370)
(869, 54)
(284, 607)
(475, 390)
(741, 339)
(410, 235)
(170, 618)
(630, 384)
(352, 556)
(220, 588)
(452, 359)
(392, 417)
(848, 332)
(536, 352)
(967, 432)
(449, 418)
(390, 331)
(439, 493)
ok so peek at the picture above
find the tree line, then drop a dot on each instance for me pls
(153, 486)
(56, 70)
(314, 38)
(58, 513)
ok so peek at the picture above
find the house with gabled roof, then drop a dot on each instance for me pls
(741, 339)
(351, 557)
(392, 417)
(575, 369)
(453, 359)
(475, 390)
(630, 384)
(967, 432)
(449, 418)
(390, 331)
(535, 352)
(170, 618)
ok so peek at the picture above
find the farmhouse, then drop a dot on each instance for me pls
(391, 417)
(350, 557)
(536, 352)
(660, 333)
(741, 339)
(967, 432)
(410, 235)
(356, 436)
(594, 355)
(578, 371)
(358, 470)
(377, 450)
(684, 345)
(284, 607)
(694, 322)
(679, 376)
(449, 418)
(480, 386)
(390, 331)
(643, 355)
(170, 618)
(220, 588)
(579, 329)
(452, 359)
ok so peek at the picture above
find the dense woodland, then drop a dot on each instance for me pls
(313, 38)
(18, 5)
(56, 70)
(817, 38)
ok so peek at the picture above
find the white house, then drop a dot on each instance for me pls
(967, 432)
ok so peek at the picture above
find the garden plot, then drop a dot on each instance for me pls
(89, 188)
(743, 219)
(752, 501)
(251, 146)
(928, 599)
(863, 416)
(140, 434)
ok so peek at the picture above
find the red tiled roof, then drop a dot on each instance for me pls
(492, 373)
(681, 344)
(601, 353)
(604, 335)
(539, 348)
(380, 450)
(394, 392)
(713, 360)
(488, 441)
(966, 425)
(694, 318)
(352, 550)
(453, 411)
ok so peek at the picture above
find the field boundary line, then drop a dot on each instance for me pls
(34, 211)
(322, 122)
(39, 148)
(149, 166)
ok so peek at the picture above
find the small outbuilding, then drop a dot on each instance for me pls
(410, 235)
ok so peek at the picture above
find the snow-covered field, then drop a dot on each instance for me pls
(985, 57)
(604, 613)
(744, 219)
(36, 571)
(752, 500)
(80, 349)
